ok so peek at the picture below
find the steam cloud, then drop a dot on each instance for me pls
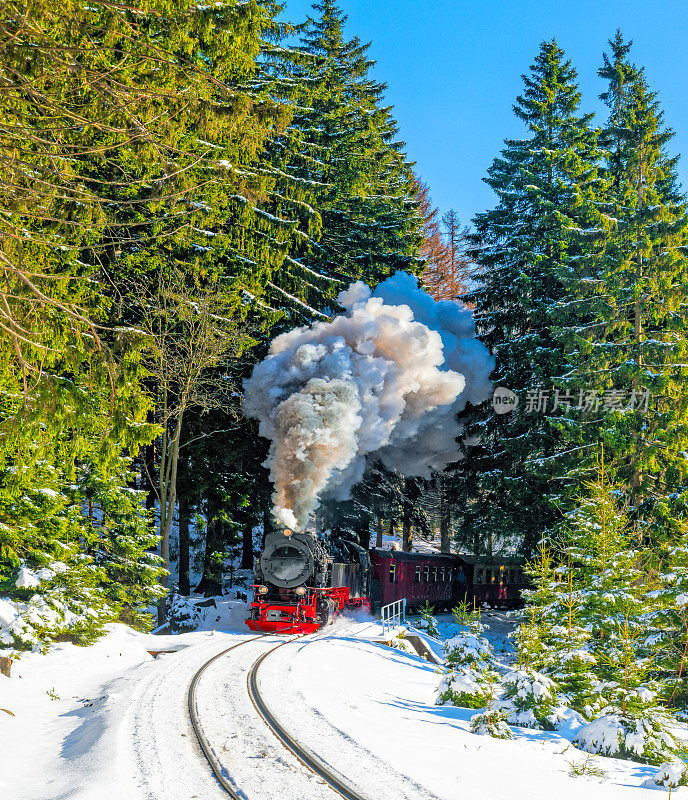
(385, 379)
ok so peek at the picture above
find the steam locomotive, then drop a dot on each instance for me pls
(302, 581)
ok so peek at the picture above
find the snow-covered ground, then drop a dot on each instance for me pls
(110, 721)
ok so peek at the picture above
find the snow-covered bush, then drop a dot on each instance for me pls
(427, 622)
(467, 649)
(646, 737)
(530, 699)
(471, 681)
(669, 775)
(491, 722)
(46, 617)
(53, 602)
(74, 553)
(465, 688)
(182, 613)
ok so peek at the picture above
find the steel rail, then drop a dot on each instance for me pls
(212, 759)
(306, 756)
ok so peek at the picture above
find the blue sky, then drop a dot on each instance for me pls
(453, 71)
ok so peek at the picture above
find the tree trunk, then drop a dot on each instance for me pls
(378, 533)
(445, 529)
(406, 532)
(247, 547)
(636, 477)
(363, 530)
(211, 583)
(169, 463)
(148, 472)
(445, 516)
(390, 528)
(184, 546)
(267, 518)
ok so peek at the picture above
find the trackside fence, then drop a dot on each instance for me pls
(393, 615)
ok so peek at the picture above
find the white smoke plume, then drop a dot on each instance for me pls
(385, 379)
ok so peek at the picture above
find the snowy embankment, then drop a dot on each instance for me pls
(370, 712)
(110, 721)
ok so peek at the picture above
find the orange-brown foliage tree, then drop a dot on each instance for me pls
(448, 268)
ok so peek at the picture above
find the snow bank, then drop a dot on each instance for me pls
(84, 719)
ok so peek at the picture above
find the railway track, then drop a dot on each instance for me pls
(307, 757)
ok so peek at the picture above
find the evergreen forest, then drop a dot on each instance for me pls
(181, 183)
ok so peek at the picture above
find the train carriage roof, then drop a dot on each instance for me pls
(493, 561)
(402, 555)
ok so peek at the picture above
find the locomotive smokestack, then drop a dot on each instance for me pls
(383, 380)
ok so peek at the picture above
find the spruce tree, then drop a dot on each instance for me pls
(599, 645)
(669, 624)
(339, 159)
(627, 335)
(337, 182)
(538, 235)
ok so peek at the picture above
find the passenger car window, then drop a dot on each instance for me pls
(392, 573)
(418, 574)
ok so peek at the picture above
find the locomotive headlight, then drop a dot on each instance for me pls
(262, 590)
(300, 590)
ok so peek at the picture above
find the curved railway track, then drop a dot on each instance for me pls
(212, 759)
(307, 757)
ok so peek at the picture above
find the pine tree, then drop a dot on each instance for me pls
(340, 159)
(529, 245)
(669, 625)
(611, 580)
(554, 665)
(338, 179)
(569, 661)
(627, 336)
(595, 636)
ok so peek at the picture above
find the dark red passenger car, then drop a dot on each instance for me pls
(439, 579)
(443, 580)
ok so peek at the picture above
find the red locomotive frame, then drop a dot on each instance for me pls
(298, 614)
